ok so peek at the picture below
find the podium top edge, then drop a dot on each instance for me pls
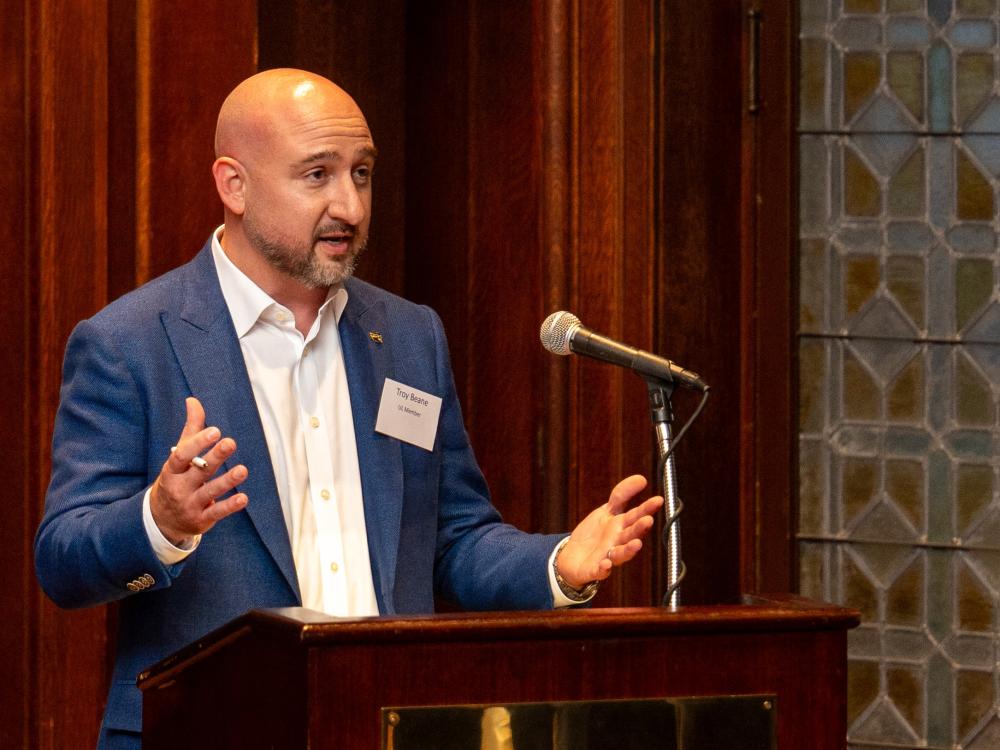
(307, 628)
(757, 613)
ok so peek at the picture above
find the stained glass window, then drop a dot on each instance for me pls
(899, 358)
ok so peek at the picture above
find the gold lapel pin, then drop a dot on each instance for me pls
(375, 336)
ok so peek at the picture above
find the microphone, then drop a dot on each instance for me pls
(562, 333)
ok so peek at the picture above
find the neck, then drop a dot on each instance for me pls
(305, 313)
(303, 301)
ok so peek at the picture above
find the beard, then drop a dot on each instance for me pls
(300, 261)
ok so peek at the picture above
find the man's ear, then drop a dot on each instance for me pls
(230, 182)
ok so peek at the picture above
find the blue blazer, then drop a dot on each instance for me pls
(431, 527)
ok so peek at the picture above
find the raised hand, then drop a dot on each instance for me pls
(610, 535)
(183, 499)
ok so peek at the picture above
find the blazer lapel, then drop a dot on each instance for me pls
(205, 344)
(368, 362)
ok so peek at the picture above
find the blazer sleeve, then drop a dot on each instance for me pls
(91, 544)
(481, 562)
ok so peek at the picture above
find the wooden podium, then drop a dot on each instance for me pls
(293, 678)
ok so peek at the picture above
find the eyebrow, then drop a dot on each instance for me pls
(329, 155)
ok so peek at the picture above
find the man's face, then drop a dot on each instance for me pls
(308, 191)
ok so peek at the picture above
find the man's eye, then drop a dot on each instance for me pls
(362, 175)
(315, 175)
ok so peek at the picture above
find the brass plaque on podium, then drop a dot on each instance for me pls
(736, 722)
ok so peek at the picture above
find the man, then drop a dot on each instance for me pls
(219, 444)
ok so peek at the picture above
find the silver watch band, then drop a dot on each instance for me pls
(573, 594)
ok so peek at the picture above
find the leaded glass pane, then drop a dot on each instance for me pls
(899, 357)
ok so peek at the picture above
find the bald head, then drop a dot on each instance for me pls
(293, 166)
(270, 103)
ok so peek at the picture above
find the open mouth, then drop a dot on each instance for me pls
(338, 243)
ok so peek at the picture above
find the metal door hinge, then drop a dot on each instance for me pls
(753, 82)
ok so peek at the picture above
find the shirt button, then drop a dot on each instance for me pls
(334, 567)
(314, 421)
(325, 494)
(282, 316)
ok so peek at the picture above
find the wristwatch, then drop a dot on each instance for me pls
(581, 595)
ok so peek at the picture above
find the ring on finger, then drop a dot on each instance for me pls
(197, 462)
(608, 555)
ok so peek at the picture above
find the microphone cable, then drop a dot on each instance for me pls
(669, 521)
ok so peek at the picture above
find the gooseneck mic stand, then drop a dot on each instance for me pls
(662, 415)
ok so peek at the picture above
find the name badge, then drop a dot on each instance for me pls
(408, 414)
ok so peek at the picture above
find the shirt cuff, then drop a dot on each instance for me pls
(167, 553)
(559, 599)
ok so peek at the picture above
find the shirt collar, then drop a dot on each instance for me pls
(247, 301)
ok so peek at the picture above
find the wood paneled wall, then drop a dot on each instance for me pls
(535, 155)
(107, 121)
(54, 271)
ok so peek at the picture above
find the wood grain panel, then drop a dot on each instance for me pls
(613, 278)
(437, 262)
(768, 443)
(18, 599)
(641, 584)
(121, 200)
(185, 67)
(66, 245)
(700, 111)
(597, 283)
(168, 73)
(555, 34)
(503, 395)
(69, 124)
(473, 135)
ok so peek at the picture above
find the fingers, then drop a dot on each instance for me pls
(221, 485)
(626, 539)
(195, 439)
(634, 525)
(192, 446)
(622, 553)
(640, 526)
(611, 534)
(648, 508)
(184, 500)
(602, 571)
(615, 556)
(195, 421)
(624, 491)
(181, 511)
(218, 455)
(219, 509)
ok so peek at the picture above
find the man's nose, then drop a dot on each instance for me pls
(346, 204)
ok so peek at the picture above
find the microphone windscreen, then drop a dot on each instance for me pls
(556, 330)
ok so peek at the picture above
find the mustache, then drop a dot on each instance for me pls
(337, 227)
